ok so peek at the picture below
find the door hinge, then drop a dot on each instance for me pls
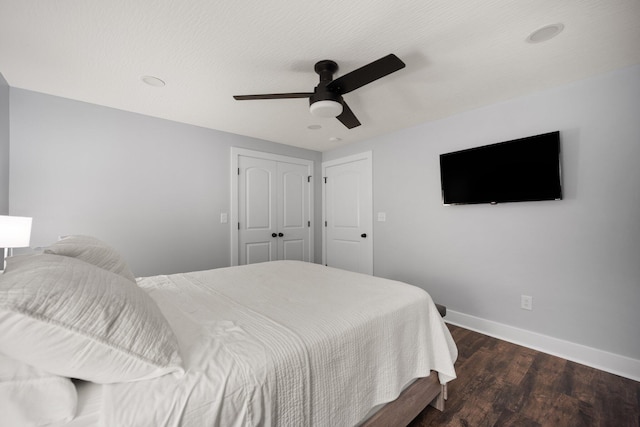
(325, 223)
(238, 171)
(308, 223)
(309, 178)
(325, 179)
(238, 226)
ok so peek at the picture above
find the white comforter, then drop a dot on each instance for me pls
(284, 343)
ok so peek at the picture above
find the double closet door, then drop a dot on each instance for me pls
(274, 208)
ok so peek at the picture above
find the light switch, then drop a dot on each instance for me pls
(223, 218)
(382, 216)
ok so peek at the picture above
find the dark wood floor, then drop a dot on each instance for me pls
(503, 384)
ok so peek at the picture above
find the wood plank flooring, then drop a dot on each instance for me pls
(503, 384)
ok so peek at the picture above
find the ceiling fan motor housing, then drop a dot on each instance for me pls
(323, 102)
(322, 94)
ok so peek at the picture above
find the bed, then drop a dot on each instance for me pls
(278, 343)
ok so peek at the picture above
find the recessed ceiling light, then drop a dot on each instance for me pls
(153, 81)
(335, 139)
(545, 33)
(314, 127)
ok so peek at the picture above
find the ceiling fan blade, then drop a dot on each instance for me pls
(273, 96)
(366, 74)
(347, 117)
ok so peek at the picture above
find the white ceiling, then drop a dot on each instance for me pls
(460, 55)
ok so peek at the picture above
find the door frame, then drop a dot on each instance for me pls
(236, 152)
(368, 157)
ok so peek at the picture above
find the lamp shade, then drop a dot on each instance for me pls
(15, 231)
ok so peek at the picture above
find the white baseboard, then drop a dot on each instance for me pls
(599, 359)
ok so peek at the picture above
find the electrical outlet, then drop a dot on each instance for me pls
(526, 302)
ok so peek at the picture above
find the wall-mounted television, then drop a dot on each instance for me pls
(526, 169)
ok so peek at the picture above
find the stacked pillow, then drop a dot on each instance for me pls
(75, 312)
(93, 251)
(30, 397)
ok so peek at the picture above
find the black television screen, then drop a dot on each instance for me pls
(526, 169)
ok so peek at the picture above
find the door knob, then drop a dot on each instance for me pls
(274, 235)
(363, 235)
(280, 234)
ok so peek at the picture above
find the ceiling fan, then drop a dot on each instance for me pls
(326, 99)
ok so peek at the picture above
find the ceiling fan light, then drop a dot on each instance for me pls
(326, 108)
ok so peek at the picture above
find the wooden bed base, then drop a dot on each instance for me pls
(421, 393)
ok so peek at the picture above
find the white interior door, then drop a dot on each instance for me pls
(294, 227)
(257, 230)
(272, 205)
(348, 213)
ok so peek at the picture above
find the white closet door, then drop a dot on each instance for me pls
(293, 212)
(274, 215)
(257, 213)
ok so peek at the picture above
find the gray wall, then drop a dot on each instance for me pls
(579, 258)
(152, 188)
(4, 146)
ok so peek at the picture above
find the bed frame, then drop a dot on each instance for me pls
(421, 393)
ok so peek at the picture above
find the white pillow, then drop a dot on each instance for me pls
(93, 251)
(29, 397)
(65, 316)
